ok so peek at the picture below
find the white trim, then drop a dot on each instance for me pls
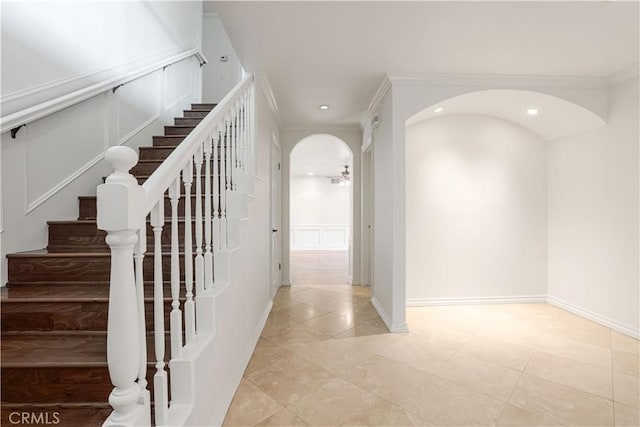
(263, 82)
(60, 103)
(139, 129)
(238, 370)
(46, 196)
(517, 299)
(499, 80)
(379, 95)
(393, 327)
(598, 318)
(323, 129)
(625, 74)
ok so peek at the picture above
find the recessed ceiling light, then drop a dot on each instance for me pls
(310, 174)
(532, 111)
(324, 107)
(438, 110)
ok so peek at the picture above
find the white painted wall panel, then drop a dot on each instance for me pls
(53, 152)
(218, 77)
(476, 209)
(138, 103)
(179, 83)
(593, 216)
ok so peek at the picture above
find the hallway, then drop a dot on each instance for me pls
(319, 267)
(325, 358)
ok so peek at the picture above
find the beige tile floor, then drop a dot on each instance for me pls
(325, 358)
(319, 267)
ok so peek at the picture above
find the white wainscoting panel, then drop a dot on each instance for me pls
(179, 82)
(319, 237)
(54, 156)
(138, 104)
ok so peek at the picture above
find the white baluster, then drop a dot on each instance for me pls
(160, 384)
(189, 307)
(224, 185)
(232, 149)
(216, 190)
(208, 255)
(139, 250)
(119, 214)
(199, 256)
(176, 313)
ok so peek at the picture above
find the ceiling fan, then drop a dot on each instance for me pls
(343, 179)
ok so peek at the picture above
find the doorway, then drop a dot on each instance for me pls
(321, 211)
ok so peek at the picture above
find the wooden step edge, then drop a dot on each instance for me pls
(69, 299)
(61, 405)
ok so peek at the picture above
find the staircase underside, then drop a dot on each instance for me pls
(55, 305)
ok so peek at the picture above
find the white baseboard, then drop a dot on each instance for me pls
(598, 318)
(393, 327)
(238, 370)
(521, 299)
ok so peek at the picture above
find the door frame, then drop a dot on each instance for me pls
(275, 223)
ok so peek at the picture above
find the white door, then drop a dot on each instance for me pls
(276, 254)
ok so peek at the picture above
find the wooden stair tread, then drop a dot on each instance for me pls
(54, 350)
(68, 293)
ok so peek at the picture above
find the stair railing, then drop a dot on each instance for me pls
(223, 142)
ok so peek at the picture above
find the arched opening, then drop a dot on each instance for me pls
(321, 211)
(477, 196)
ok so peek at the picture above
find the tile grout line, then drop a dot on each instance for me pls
(524, 370)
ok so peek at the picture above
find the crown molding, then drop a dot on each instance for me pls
(320, 128)
(504, 80)
(627, 73)
(384, 87)
(263, 82)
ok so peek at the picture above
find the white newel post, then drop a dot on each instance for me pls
(119, 204)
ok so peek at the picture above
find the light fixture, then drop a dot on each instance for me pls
(324, 107)
(438, 110)
(310, 173)
(532, 111)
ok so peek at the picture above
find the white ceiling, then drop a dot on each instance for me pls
(320, 155)
(337, 53)
(556, 117)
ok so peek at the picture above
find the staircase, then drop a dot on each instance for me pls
(54, 309)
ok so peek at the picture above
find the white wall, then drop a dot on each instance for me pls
(242, 308)
(289, 138)
(55, 159)
(385, 294)
(593, 216)
(476, 210)
(320, 214)
(218, 77)
(314, 200)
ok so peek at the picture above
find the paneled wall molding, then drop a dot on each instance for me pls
(62, 184)
(505, 80)
(59, 103)
(319, 237)
(112, 131)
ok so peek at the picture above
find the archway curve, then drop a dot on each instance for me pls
(557, 117)
(329, 226)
